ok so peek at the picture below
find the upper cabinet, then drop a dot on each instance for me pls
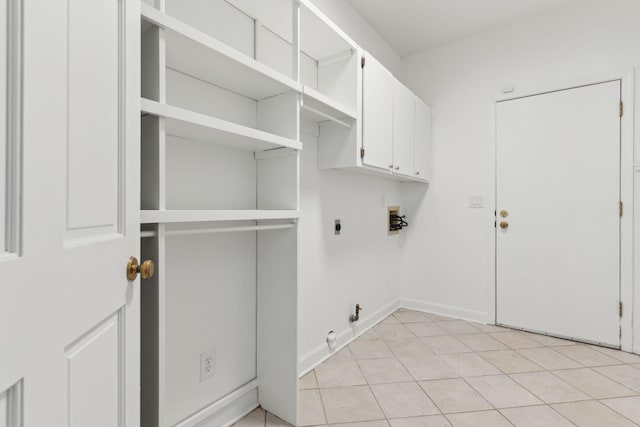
(393, 137)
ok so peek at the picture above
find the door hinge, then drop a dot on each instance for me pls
(362, 152)
(362, 61)
(621, 108)
(620, 209)
(620, 309)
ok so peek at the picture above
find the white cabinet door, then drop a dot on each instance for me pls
(422, 139)
(404, 105)
(69, 316)
(377, 112)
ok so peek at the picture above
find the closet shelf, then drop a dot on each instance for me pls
(200, 127)
(185, 216)
(321, 108)
(195, 53)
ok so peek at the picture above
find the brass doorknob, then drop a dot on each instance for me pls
(504, 214)
(504, 225)
(146, 270)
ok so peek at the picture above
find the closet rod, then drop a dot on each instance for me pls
(326, 116)
(145, 234)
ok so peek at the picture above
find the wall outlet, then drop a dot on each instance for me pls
(476, 202)
(207, 364)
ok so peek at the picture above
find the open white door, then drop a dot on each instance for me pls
(69, 316)
(558, 221)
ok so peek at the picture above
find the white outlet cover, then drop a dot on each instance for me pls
(476, 202)
(207, 364)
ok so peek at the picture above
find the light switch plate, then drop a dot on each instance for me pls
(476, 202)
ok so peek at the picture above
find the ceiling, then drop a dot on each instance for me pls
(413, 25)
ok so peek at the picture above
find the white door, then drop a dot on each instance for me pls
(558, 183)
(69, 317)
(377, 114)
(404, 110)
(422, 137)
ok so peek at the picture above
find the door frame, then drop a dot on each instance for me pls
(627, 82)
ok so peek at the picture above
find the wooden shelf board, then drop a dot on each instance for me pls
(200, 127)
(184, 216)
(194, 53)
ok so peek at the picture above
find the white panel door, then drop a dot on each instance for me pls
(422, 136)
(558, 181)
(70, 317)
(404, 111)
(377, 114)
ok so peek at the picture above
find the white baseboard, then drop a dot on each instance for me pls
(322, 352)
(226, 411)
(445, 310)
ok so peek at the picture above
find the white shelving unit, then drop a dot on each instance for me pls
(219, 210)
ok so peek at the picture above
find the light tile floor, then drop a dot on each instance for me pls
(416, 369)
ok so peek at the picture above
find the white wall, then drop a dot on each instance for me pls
(360, 265)
(445, 259)
(352, 23)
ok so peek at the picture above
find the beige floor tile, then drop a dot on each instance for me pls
(502, 392)
(456, 327)
(627, 406)
(426, 329)
(622, 356)
(454, 395)
(342, 354)
(408, 347)
(378, 423)
(550, 341)
(637, 366)
(483, 327)
(430, 421)
(394, 331)
(337, 373)
(626, 375)
(273, 421)
(591, 414)
(308, 381)
(371, 334)
(403, 400)
(593, 383)
(535, 416)
(481, 342)
(479, 419)
(446, 344)
(380, 371)
(370, 349)
(510, 362)
(515, 340)
(548, 358)
(586, 356)
(428, 368)
(310, 410)
(410, 316)
(257, 418)
(350, 404)
(438, 317)
(469, 364)
(549, 388)
(389, 320)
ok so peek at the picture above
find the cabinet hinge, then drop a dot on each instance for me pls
(495, 224)
(620, 309)
(362, 152)
(621, 108)
(362, 61)
(620, 209)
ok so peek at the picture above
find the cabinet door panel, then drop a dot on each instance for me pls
(377, 111)
(404, 103)
(422, 139)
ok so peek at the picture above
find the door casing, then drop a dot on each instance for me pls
(626, 191)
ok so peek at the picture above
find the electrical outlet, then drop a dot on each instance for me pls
(207, 364)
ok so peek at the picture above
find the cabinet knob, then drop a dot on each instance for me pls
(418, 173)
(390, 166)
(397, 168)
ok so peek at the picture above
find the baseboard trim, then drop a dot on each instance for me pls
(445, 310)
(322, 352)
(228, 410)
